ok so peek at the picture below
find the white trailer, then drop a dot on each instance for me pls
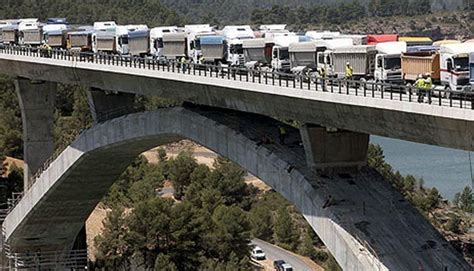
(324, 35)
(388, 65)
(356, 39)
(174, 45)
(454, 66)
(156, 39)
(360, 57)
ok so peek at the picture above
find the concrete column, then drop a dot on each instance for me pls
(37, 99)
(335, 150)
(105, 105)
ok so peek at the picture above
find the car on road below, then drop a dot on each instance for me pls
(257, 253)
(281, 265)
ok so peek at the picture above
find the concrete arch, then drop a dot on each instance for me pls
(380, 233)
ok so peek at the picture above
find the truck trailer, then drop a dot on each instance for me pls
(139, 42)
(80, 40)
(174, 45)
(471, 71)
(212, 49)
(360, 57)
(30, 32)
(416, 41)
(255, 53)
(156, 39)
(10, 34)
(421, 60)
(303, 56)
(375, 39)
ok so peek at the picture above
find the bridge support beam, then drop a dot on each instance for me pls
(332, 150)
(37, 100)
(105, 105)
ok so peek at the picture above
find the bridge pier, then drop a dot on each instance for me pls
(37, 101)
(105, 105)
(331, 150)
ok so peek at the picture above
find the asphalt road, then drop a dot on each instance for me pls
(275, 253)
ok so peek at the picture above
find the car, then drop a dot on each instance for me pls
(278, 264)
(257, 253)
(286, 267)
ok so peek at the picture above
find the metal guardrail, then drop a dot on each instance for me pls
(311, 82)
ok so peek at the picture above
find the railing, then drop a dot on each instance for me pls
(308, 82)
(48, 260)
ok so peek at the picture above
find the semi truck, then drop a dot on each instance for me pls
(234, 36)
(280, 55)
(103, 38)
(55, 35)
(360, 57)
(420, 60)
(388, 64)
(454, 66)
(156, 39)
(10, 34)
(80, 39)
(194, 33)
(30, 32)
(212, 49)
(174, 45)
(325, 49)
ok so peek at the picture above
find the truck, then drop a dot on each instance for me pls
(30, 32)
(420, 60)
(324, 35)
(375, 39)
(356, 39)
(360, 57)
(212, 48)
(388, 64)
(138, 41)
(8, 32)
(255, 53)
(234, 35)
(471, 71)
(280, 56)
(174, 45)
(80, 39)
(156, 39)
(103, 38)
(194, 33)
(416, 41)
(325, 49)
(454, 66)
(55, 35)
(303, 56)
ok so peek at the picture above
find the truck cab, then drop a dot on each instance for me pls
(234, 35)
(454, 66)
(325, 50)
(388, 64)
(280, 55)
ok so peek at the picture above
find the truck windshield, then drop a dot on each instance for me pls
(393, 63)
(284, 54)
(461, 63)
(236, 49)
(123, 40)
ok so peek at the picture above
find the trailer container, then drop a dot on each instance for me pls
(254, 51)
(361, 58)
(212, 48)
(174, 45)
(421, 60)
(303, 55)
(138, 42)
(374, 39)
(81, 40)
(416, 41)
(32, 37)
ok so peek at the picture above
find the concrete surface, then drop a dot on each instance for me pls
(423, 123)
(37, 104)
(105, 105)
(362, 220)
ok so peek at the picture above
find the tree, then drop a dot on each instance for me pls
(285, 233)
(163, 262)
(307, 248)
(112, 249)
(180, 171)
(465, 200)
(262, 222)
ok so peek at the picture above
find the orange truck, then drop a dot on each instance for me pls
(421, 60)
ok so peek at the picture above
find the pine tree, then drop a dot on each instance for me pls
(285, 233)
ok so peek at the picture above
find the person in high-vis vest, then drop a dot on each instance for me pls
(420, 86)
(428, 85)
(182, 62)
(349, 71)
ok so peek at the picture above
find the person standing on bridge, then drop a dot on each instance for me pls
(420, 85)
(322, 74)
(428, 84)
(182, 62)
(349, 71)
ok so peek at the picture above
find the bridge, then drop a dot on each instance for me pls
(369, 226)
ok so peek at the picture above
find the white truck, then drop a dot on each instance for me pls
(194, 33)
(325, 49)
(454, 66)
(280, 55)
(103, 39)
(30, 32)
(360, 57)
(388, 65)
(156, 39)
(234, 35)
(324, 35)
